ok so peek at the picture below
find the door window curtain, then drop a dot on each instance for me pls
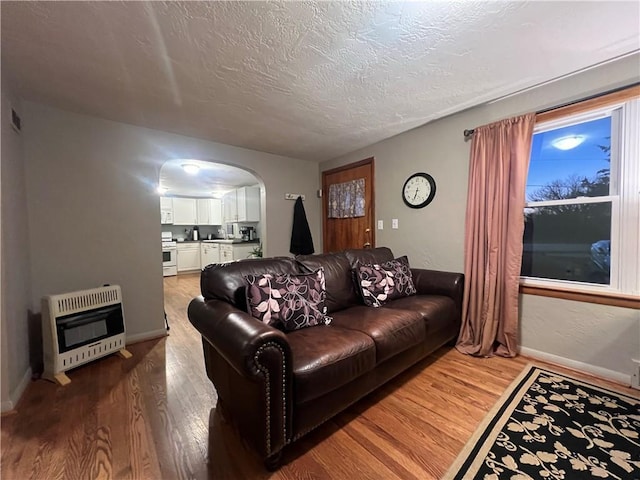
(493, 236)
(346, 200)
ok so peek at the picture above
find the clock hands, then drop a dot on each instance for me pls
(415, 195)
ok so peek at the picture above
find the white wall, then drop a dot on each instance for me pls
(94, 215)
(433, 237)
(15, 294)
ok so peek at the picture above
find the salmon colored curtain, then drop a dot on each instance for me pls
(493, 240)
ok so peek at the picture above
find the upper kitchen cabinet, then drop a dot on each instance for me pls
(209, 211)
(185, 211)
(248, 204)
(242, 205)
(230, 207)
(166, 210)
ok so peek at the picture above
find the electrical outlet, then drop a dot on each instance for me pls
(635, 377)
(394, 223)
(380, 225)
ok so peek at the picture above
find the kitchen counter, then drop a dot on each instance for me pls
(234, 241)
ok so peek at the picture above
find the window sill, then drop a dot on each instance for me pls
(602, 298)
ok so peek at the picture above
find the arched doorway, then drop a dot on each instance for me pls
(210, 212)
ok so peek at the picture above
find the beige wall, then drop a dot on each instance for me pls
(433, 237)
(94, 215)
(14, 258)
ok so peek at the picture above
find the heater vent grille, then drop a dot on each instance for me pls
(81, 326)
(90, 352)
(74, 302)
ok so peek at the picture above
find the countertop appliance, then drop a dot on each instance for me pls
(169, 252)
(247, 233)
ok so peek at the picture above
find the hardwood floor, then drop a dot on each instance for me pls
(154, 417)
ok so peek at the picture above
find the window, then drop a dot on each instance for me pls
(582, 213)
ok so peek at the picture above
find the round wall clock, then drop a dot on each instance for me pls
(418, 191)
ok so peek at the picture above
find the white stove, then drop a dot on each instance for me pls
(169, 252)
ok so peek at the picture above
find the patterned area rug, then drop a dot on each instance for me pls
(551, 426)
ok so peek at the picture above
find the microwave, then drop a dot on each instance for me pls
(166, 217)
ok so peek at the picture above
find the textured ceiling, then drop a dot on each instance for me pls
(310, 80)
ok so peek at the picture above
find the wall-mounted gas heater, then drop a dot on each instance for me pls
(79, 327)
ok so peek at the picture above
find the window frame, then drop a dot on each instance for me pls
(624, 287)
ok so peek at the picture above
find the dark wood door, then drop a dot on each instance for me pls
(342, 233)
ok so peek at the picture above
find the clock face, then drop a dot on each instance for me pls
(418, 191)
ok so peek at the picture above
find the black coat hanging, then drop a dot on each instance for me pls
(301, 241)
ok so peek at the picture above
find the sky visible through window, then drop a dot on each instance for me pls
(549, 163)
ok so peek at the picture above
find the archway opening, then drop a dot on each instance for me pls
(210, 212)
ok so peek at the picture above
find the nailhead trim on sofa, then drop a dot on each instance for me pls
(265, 372)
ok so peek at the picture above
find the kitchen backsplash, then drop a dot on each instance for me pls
(180, 231)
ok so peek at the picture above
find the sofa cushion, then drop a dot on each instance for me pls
(368, 255)
(437, 310)
(341, 291)
(392, 330)
(327, 357)
(380, 283)
(289, 302)
(226, 281)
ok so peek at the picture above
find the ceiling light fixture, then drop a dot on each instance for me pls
(568, 142)
(190, 168)
(161, 190)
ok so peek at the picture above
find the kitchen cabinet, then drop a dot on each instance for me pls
(209, 211)
(185, 211)
(166, 210)
(242, 205)
(248, 204)
(230, 253)
(209, 253)
(230, 207)
(226, 253)
(188, 256)
(242, 251)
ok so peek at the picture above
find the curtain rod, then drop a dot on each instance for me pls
(469, 133)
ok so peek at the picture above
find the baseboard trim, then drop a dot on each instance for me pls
(143, 337)
(576, 365)
(16, 395)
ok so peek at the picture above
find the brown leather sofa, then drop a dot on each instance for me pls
(275, 386)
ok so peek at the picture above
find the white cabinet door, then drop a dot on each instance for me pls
(204, 211)
(209, 211)
(188, 257)
(230, 208)
(215, 211)
(166, 210)
(242, 251)
(166, 203)
(226, 253)
(209, 253)
(248, 204)
(185, 211)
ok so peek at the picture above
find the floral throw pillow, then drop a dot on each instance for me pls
(384, 282)
(288, 302)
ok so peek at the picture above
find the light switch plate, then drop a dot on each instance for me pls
(380, 225)
(394, 223)
(635, 376)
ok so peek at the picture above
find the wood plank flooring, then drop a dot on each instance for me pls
(154, 417)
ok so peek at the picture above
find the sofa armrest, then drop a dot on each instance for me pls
(258, 394)
(236, 335)
(436, 282)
